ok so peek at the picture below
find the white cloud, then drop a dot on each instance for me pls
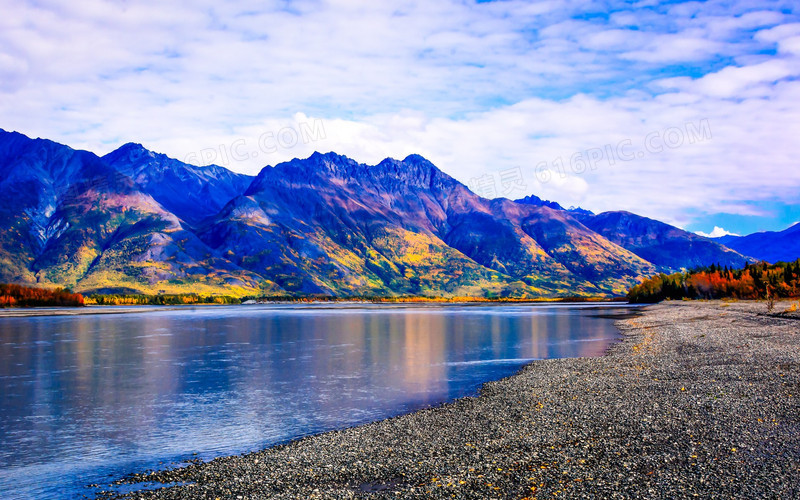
(477, 88)
(675, 48)
(790, 45)
(716, 233)
(735, 81)
(731, 151)
(778, 33)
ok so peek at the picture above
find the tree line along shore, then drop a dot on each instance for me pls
(40, 297)
(753, 282)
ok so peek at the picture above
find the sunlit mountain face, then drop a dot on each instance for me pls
(138, 221)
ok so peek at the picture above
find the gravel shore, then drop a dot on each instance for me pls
(699, 399)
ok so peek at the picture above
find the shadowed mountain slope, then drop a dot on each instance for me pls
(667, 247)
(771, 246)
(192, 193)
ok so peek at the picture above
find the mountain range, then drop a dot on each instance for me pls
(138, 221)
(771, 246)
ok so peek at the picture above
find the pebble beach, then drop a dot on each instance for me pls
(698, 399)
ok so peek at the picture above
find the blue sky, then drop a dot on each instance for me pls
(701, 98)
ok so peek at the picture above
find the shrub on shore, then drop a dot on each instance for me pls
(25, 296)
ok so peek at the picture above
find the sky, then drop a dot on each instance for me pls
(687, 112)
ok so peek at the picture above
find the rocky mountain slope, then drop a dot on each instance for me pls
(330, 225)
(69, 219)
(138, 221)
(192, 193)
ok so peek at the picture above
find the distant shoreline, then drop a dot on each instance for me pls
(29, 312)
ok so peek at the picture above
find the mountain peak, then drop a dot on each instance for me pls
(330, 162)
(11, 137)
(131, 150)
(330, 156)
(341, 165)
(191, 192)
(417, 159)
(132, 146)
(534, 200)
(579, 210)
(390, 173)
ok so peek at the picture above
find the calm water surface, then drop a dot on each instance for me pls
(88, 399)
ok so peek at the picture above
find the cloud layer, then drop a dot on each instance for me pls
(482, 89)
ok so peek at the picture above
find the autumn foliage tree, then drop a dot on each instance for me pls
(24, 296)
(754, 281)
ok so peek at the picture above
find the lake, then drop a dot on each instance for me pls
(87, 399)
